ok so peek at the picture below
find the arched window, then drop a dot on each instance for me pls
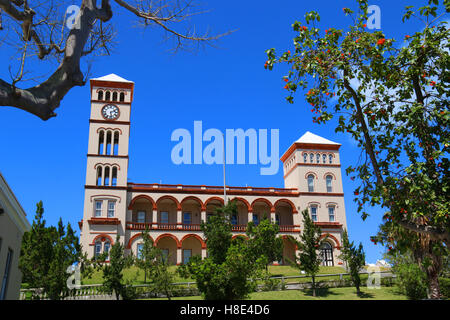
(106, 181)
(108, 96)
(326, 252)
(310, 183)
(108, 142)
(97, 249)
(99, 176)
(122, 96)
(329, 186)
(330, 157)
(305, 157)
(100, 95)
(318, 158)
(114, 177)
(311, 158)
(101, 140)
(116, 143)
(114, 96)
(324, 158)
(106, 247)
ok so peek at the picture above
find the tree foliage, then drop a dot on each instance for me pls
(392, 99)
(226, 274)
(46, 254)
(51, 33)
(309, 245)
(355, 259)
(264, 241)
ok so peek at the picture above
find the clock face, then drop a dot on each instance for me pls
(110, 112)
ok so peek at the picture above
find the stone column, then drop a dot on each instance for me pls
(179, 218)
(155, 219)
(204, 253)
(179, 256)
(203, 216)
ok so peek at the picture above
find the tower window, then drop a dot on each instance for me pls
(331, 214)
(324, 158)
(114, 177)
(313, 213)
(305, 157)
(108, 96)
(108, 142)
(98, 208)
(114, 96)
(311, 158)
(116, 143)
(111, 209)
(329, 186)
(122, 96)
(101, 140)
(330, 158)
(99, 176)
(106, 181)
(100, 95)
(311, 183)
(318, 158)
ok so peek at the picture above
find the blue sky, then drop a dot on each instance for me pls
(224, 87)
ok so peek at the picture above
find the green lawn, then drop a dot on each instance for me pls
(349, 293)
(276, 271)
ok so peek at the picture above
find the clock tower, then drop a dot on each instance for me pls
(107, 164)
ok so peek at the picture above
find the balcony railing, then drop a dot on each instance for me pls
(196, 227)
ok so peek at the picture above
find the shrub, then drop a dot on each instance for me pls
(445, 287)
(411, 280)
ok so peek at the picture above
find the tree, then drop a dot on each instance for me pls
(49, 31)
(162, 278)
(146, 256)
(355, 259)
(264, 241)
(309, 246)
(227, 273)
(46, 254)
(113, 271)
(394, 103)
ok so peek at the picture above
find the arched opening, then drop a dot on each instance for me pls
(99, 175)
(141, 209)
(106, 180)
(167, 212)
(190, 246)
(116, 143)
(211, 205)
(288, 251)
(284, 215)
(101, 139)
(108, 142)
(169, 246)
(114, 177)
(242, 207)
(114, 96)
(100, 95)
(191, 212)
(326, 251)
(108, 96)
(122, 96)
(261, 209)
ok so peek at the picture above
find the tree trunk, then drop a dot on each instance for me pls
(433, 285)
(313, 286)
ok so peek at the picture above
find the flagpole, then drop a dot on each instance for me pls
(224, 184)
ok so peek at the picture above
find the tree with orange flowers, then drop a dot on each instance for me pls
(393, 101)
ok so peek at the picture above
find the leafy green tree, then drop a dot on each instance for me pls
(227, 273)
(392, 98)
(355, 259)
(162, 278)
(264, 242)
(146, 257)
(309, 246)
(113, 270)
(46, 254)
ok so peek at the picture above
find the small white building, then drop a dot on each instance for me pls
(13, 224)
